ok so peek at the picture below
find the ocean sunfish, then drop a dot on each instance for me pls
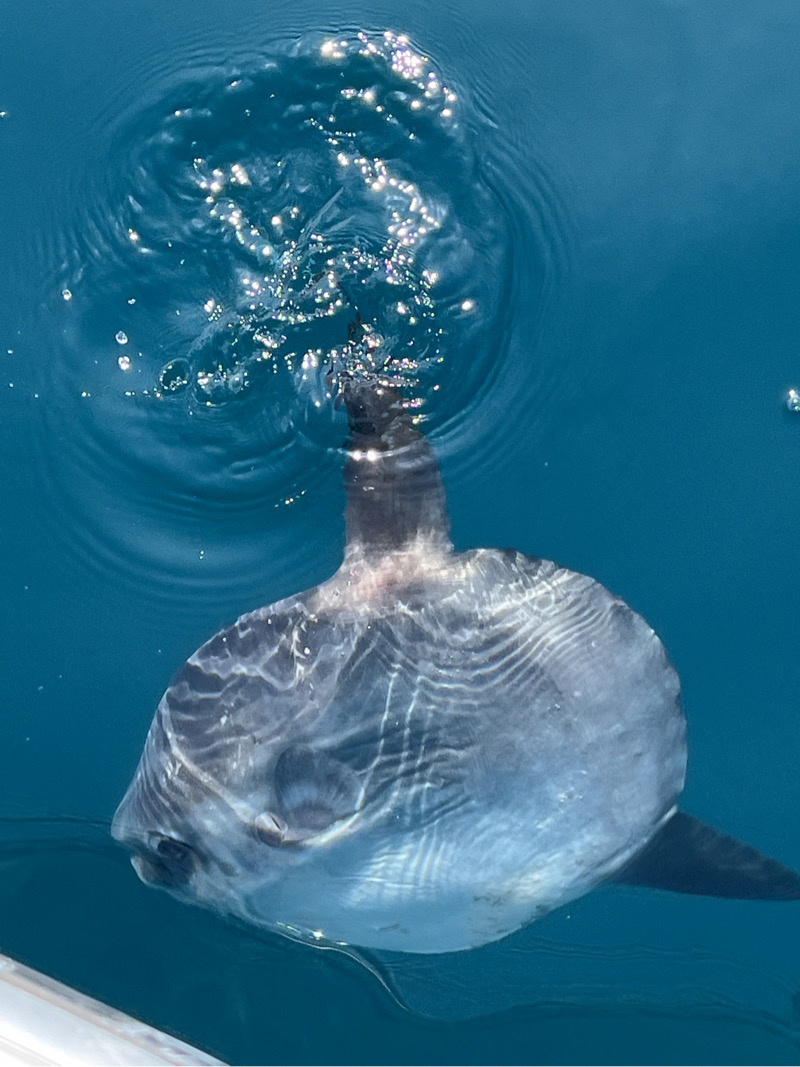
(430, 749)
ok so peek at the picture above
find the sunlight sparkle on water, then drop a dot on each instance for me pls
(321, 230)
(239, 175)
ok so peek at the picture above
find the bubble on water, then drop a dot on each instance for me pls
(239, 175)
(174, 378)
(792, 400)
(307, 213)
(256, 247)
(334, 231)
(216, 384)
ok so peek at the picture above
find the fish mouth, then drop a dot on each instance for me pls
(155, 874)
(158, 858)
(145, 870)
(171, 865)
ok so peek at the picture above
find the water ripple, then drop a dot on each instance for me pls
(261, 226)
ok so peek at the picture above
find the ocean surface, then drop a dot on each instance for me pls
(580, 223)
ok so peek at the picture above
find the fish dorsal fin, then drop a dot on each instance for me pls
(394, 491)
(688, 856)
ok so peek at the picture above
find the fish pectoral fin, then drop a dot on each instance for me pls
(688, 856)
(314, 789)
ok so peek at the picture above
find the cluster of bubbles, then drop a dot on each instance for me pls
(306, 227)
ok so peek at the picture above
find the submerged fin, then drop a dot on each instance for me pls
(394, 492)
(314, 790)
(688, 856)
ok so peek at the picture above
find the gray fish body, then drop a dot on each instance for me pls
(458, 743)
(422, 754)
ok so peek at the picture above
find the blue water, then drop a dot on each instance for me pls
(601, 366)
